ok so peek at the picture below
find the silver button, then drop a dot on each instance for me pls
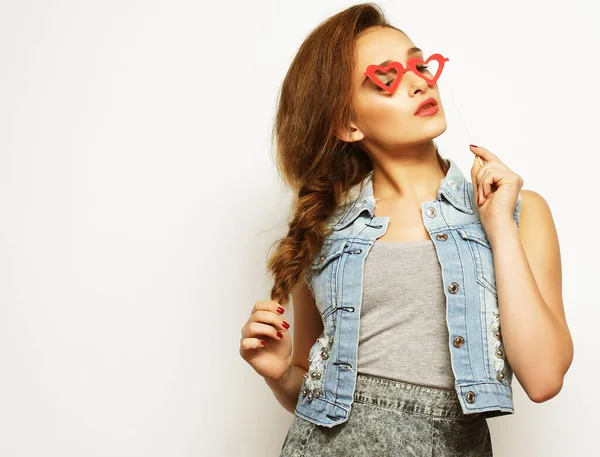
(453, 287)
(499, 353)
(430, 211)
(470, 396)
(500, 376)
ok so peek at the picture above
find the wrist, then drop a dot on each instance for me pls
(282, 378)
(502, 229)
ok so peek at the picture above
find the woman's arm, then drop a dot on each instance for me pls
(537, 341)
(287, 388)
(307, 327)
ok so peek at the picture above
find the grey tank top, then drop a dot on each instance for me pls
(403, 333)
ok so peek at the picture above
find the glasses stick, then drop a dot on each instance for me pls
(461, 119)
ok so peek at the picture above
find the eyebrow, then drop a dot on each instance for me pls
(410, 52)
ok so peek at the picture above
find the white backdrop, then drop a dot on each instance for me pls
(139, 202)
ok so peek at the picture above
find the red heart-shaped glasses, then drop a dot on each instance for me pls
(412, 65)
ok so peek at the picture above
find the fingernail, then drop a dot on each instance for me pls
(280, 310)
(473, 146)
(280, 335)
(285, 324)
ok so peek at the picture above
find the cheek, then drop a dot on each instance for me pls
(384, 116)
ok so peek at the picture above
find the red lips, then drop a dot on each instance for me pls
(430, 101)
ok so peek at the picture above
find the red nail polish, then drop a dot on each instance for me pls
(262, 342)
(280, 335)
(472, 145)
(280, 310)
(285, 324)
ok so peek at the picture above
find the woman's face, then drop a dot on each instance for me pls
(388, 121)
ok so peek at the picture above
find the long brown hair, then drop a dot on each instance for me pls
(313, 104)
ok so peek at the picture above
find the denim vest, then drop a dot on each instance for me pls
(482, 373)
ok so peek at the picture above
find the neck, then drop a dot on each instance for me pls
(413, 177)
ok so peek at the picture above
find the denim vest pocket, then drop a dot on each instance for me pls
(322, 274)
(481, 251)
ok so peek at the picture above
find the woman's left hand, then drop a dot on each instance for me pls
(496, 188)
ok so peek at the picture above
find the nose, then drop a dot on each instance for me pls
(415, 82)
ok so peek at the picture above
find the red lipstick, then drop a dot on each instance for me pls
(427, 107)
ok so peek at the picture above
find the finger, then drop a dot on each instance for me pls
(478, 177)
(486, 183)
(267, 305)
(269, 317)
(474, 169)
(481, 183)
(256, 329)
(483, 170)
(482, 152)
(485, 154)
(478, 151)
(247, 344)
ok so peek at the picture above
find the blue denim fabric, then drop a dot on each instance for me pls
(394, 418)
(335, 277)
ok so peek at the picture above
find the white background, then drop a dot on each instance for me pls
(140, 200)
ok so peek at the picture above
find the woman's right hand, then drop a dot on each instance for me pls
(272, 359)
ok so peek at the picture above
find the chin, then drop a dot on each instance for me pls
(436, 128)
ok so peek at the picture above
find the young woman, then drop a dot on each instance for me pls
(400, 269)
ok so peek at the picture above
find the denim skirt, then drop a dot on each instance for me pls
(394, 418)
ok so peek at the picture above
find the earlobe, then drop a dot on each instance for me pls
(350, 135)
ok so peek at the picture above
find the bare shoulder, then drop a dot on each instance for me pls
(532, 198)
(535, 215)
(536, 226)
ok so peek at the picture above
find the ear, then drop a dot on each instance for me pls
(351, 134)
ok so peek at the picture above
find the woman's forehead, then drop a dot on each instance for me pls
(380, 49)
(380, 45)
